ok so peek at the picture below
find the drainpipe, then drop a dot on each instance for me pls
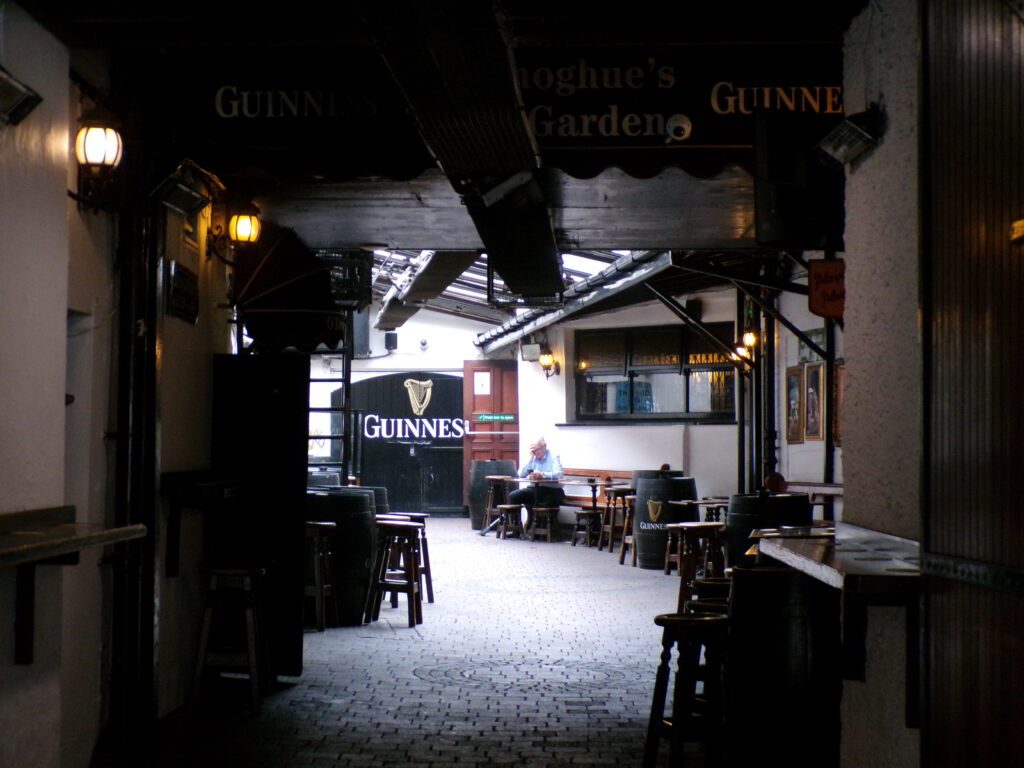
(741, 410)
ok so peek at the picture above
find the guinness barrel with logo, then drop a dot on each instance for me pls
(748, 511)
(653, 513)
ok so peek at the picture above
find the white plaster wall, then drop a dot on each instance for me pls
(883, 339)
(89, 458)
(185, 397)
(707, 452)
(186, 359)
(449, 342)
(33, 298)
(801, 461)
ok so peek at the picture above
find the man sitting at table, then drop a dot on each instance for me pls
(543, 465)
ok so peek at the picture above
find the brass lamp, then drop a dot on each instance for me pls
(549, 364)
(244, 226)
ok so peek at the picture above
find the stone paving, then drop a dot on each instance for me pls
(534, 653)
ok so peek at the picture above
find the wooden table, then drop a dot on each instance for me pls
(870, 568)
(713, 503)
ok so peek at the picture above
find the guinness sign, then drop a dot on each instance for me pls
(411, 438)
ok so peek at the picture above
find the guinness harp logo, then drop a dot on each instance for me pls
(653, 510)
(419, 395)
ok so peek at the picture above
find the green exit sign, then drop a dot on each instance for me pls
(496, 417)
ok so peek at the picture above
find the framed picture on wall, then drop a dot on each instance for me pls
(795, 405)
(814, 401)
(837, 398)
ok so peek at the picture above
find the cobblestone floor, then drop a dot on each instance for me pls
(534, 653)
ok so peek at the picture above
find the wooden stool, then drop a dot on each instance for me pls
(226, 583)
(694, 718)
(628, 539)
(587, 520)
(318, 566)
(698, 549)
(510, 518)
(425, 578)
(398, 544)
(543, 521)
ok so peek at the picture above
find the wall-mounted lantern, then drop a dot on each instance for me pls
(549, 364)
(98, 150)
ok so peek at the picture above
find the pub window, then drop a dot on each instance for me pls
(654, 373)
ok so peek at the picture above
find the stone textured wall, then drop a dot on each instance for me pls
(882, 443)
(883, 429)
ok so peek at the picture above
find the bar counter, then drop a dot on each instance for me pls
(869, 568)
(857, 560)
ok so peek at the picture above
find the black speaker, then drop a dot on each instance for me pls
(390, 341)
(361, 333)
(799, 199)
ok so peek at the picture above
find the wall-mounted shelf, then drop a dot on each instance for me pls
(46, 537)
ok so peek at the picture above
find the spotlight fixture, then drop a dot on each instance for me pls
(16, 99)
(854, 136)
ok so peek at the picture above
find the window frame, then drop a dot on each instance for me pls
(687, 338)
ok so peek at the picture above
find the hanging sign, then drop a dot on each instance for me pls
(650, 107)
(826, 287)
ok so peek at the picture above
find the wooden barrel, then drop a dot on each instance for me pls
(784, 671)
(638, 474)
(748, 511)
(478, 472)
(380, 498)
(653, 513)
(353, 545)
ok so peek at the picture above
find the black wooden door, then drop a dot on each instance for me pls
(412, 432)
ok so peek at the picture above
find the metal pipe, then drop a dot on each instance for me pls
(741, 412)
(771, 432)
(346, 377)
(756, 411)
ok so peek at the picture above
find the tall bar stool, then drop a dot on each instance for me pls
(319, 574)
(426, 580)
(695, 549)
(496, 494)
(615, 499)
(230, 640)
(694, 717)
(628, 536)
(398, 543)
